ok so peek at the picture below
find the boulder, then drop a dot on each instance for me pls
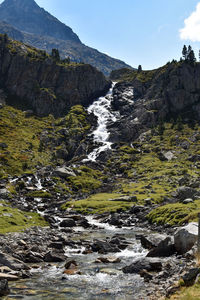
(54, 257)
(68, 222)
(8, 277)
(11, 262)
(152, 240)
(164, 249)
(63, 172)
(4, 289)
(148, 264)
(103, 247)
(190, 276)
(185, 192)
(186, 237)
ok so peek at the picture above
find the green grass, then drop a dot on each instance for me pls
(175, 214)
(98, 204)
(12, 219)
(39, 194)
(191, 293)
(22, 135)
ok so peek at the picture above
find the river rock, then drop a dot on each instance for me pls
(186, 237)
(8, 277)
(68, 222)
(4, 289)
(164, 249)
(103, 247)
(108, 260)
(54, 257)
(11, 262)
(152, 240)
(148, 264)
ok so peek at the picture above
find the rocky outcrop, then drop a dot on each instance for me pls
(35, 81)
(149, 96)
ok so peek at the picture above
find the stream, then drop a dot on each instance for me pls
(96, 280)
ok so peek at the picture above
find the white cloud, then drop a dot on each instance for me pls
(191, 30)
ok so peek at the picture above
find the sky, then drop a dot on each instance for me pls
(146, 32)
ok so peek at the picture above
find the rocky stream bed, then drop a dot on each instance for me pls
(87, 258)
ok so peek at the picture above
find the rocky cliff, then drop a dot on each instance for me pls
(146, 97)
(25, 21)
(33, 80)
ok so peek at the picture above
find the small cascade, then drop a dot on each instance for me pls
(101, 108)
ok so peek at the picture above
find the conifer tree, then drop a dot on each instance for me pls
(184, 52)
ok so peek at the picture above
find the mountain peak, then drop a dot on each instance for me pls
(26, 15)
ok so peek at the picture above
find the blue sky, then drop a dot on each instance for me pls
(145, 32)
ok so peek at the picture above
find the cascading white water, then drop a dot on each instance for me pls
(101, 108)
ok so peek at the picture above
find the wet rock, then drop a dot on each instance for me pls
(108, 260)
(71, 268)
(70, 264)
(63, 172)
(68, 223)
(146, 275)
(148, 264)
(115, 220)
(56, 245)
(186, 237)
(54, 257)
(164, 249)
(84, 223)
(8, 277)
(32, 257)
(4, 289)
(11, 262)
(103, 247)
(190, 276)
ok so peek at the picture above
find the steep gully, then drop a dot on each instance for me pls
(96, 280)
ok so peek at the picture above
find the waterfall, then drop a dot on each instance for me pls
(101, 108)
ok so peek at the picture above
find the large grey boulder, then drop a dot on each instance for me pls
(64, 172)
(185, 192)
(186, 237)
(164, 249)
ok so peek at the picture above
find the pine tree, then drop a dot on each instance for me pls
(191, 57)
(55, 54)
(139, 68)
(184, 52)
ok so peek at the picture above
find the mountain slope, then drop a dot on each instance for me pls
(38, 28)
(26, 15)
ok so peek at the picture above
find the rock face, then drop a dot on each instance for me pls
(42, 84)
(25, 21)
(159, 94)
(185, 238)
